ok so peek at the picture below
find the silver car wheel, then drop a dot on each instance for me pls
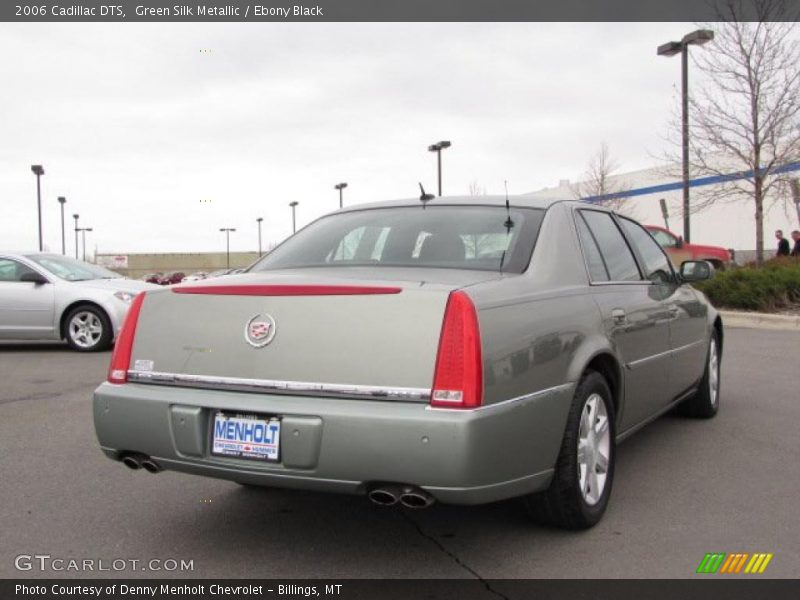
(594, 446)
(713, 373)
(85, 329)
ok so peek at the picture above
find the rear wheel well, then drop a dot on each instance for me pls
(607, 366)
(63, 325)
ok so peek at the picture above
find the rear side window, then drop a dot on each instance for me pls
(616, 254)
(656, 263)
(594, 260)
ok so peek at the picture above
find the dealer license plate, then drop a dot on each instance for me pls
(246, 436)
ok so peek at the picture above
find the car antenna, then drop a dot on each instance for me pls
(508, 224)
(424, 196)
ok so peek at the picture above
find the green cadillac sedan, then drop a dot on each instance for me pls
(461, 350)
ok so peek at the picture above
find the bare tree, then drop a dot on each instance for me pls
(599, 183)
(476, 189)
(745, 118)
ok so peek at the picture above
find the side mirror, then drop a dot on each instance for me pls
(33, 277)
(696, 270)
(679, 242)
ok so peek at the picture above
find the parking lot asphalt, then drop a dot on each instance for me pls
(682, 488)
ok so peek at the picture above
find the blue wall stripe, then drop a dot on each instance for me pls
(678, 185)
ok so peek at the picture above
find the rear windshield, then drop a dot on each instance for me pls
(485, 238)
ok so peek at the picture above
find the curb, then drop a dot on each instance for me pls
(754, 320)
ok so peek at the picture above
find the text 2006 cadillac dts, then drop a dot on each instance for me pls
(461, 350)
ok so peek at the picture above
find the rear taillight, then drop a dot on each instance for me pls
(121, 357)
(458, 379)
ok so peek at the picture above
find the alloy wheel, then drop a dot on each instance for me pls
(713, 373)
(594, 447)
(85, 329)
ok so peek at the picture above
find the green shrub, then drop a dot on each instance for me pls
(774, 286)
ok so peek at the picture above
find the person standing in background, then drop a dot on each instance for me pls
(796, 238)
(783, 244)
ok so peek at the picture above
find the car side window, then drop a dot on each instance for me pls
(656, 263)
(664, 239)
(594, 260)
(11, 270)
(614, 249)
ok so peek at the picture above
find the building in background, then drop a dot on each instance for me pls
(138, 265)
(729, 224)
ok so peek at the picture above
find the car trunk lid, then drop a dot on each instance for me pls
(299, 333)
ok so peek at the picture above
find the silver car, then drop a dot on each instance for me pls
(53, 297)
(461, 350)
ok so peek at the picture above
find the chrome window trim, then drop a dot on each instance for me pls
(279, 387)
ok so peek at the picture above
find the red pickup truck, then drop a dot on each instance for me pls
(679, 251)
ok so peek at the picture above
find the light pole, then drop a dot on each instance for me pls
(695, 38)
(38, 170)
(258, 220)
(340, 187)
(83, 231)
(75, 216)
(227, 231)
(438, 147)
(294, 222)
(62, 201)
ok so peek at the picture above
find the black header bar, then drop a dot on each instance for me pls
(357, 10)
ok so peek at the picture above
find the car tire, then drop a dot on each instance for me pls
(570, 502)
(705, 403)
(87, 328)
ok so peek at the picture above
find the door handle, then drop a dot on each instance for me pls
(619, 317)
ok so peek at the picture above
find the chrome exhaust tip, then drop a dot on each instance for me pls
(151, 466)
(383, 496)
(131, 462)
(416, 498)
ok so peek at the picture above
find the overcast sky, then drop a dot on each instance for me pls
(160, 134)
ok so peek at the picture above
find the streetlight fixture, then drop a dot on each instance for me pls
(75, 216)
(695, 38)
(258, 220)
(294, 221)
(227, 231)
(438, 147)
(62, 201)
(83, 231)
(38, 170)
(340, 187)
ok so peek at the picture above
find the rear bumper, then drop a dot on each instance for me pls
(460, 457)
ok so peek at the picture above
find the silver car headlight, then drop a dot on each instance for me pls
(126, 297)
